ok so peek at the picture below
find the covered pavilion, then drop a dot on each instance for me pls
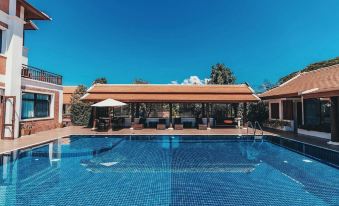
(136, 94)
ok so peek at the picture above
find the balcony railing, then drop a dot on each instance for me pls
(30, 72)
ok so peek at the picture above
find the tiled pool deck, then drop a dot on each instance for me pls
(47, 136)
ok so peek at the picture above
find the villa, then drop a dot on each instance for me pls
(212, 142)
(30, 97)
(308, 103)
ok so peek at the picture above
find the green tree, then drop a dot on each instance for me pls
(258, 112)
(80, 110)
(140, 81)
(311, 67)
(221, 74)
(266, 85)
(101, 80)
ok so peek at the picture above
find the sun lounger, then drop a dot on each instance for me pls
(177, 124)
(161, 124)
(140, 125)
(200, 124)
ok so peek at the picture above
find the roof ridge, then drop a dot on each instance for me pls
(209, 85)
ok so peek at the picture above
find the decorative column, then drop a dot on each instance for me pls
(170, 116)
(203, 110)
(94, 118)
(132, 114)
(334, 121)
(208, 116)
(137, 110)
(244, 115)
(295, 117)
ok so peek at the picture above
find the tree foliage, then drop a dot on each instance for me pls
(80, 111)
(101, 80)
(311, 67)
(222, 75)
(140, 81)
(266, 85)
(258, 112)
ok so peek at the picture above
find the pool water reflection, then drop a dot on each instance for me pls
(164, 170)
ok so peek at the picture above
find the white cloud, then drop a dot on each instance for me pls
(192, 80)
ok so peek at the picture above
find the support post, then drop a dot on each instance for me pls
(244, 115)
(94, 118)
(208, 116)
(334, 121)
(295, 117)
(170, 116)
(203, 110)
(137, 110)
(132, 114)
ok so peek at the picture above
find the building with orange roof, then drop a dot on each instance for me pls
(67, 95)
(205, 95)
(308, 103)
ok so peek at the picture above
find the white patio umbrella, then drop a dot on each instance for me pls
(110, 103)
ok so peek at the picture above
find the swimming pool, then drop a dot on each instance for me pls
(165, 170)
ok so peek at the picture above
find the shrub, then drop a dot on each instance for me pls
(258, 112)
(80, 111)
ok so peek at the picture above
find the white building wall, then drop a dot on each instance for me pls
(14, 42)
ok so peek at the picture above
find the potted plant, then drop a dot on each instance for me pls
(26, 129)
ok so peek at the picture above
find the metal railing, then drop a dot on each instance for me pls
(256, 123)
(249, 123)
(34, 73)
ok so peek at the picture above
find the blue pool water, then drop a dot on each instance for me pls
(165, 170)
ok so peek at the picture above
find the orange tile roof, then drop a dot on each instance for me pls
(325, 79)
(67, 93)
(171, 93)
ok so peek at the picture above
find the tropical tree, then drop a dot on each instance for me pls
(80, 110)
(311, 67)
(258, 112)
(266, 85)
(140, 81)
(221, 74)
(101, 80)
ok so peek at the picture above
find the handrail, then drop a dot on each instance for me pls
(34, 73)
(250, 123)
(256, 123)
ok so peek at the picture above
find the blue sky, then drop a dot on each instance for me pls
(165, 40)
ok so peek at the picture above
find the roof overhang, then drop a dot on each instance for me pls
(30, 26)
(32, 13)
(172, 93)
(323, 93)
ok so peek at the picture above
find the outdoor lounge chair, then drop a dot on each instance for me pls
(177, 124)
(161, 124)
(230, 122)
(140, 125)
(200, 124)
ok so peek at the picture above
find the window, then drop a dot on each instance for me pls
(35, 105)
(275, 111)
(288, 110)
(317, 115)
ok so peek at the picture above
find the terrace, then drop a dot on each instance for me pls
(34, 73)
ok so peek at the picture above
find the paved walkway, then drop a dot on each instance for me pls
(47, 136)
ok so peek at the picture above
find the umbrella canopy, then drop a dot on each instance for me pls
(109, 103)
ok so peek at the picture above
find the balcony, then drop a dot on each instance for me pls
(30, 72)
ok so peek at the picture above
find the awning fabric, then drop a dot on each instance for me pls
(109, 103)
